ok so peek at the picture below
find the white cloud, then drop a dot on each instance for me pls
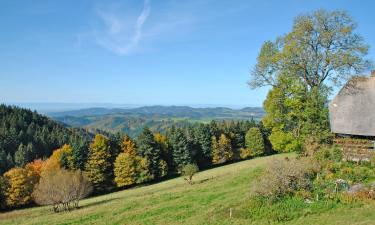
(125, 29)
(119, 34)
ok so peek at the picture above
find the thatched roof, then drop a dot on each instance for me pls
(352, 111)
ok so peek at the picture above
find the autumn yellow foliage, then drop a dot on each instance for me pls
(21, 183)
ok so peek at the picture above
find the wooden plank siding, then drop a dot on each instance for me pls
(356, 150)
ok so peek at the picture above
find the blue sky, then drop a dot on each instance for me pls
(146, 52)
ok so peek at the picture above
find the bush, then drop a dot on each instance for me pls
(329, 153)
(62, 189)
(188, 171)
(285, 178)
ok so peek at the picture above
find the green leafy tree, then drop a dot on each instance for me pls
(254, 141)
(188, 171)
(98, 164)
(322, 49)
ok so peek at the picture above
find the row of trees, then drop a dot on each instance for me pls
(119, 161)
(154, 156)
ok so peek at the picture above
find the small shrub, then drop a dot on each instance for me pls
(62, 189)
(329, 152)
(285, 178)
(188, 171)
(311, 146)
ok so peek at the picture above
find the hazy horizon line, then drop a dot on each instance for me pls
(67, 106)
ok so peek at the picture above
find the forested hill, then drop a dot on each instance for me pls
(157, 118)
(26, 135)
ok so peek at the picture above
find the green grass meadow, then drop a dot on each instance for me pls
(208, 201)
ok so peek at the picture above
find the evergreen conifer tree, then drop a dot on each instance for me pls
(148, 148)
(180, 149)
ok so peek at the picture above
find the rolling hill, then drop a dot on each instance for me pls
(157, 118)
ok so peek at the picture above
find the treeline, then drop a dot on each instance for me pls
(26, 135)
(116, 161)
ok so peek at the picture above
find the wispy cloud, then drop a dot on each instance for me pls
(126, 28)
(121, 35)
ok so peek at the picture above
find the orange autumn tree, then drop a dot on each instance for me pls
(35, 166)
(54, 162)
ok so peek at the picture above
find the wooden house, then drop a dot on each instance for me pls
(352, 118)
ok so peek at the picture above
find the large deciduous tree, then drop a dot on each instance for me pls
(322, 46)
(254, 141)
(63, 189)
(321, 51)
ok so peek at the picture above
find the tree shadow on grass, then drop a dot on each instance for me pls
(205, 180)
(97, 203)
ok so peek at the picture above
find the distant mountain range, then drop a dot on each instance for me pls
(158, 118)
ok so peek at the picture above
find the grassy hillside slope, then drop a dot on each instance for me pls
(174, 202)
